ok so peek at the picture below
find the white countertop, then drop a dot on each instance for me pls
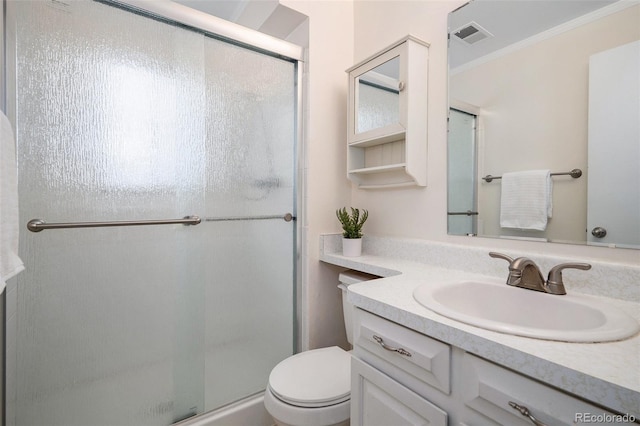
(605, 373)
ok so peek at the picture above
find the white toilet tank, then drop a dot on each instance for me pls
(346, 279)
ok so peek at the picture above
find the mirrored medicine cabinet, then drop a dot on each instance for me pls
(546, 85)
(387, 122)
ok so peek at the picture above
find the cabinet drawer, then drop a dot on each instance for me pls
(488, 388)
(419, 360)
(376, 399)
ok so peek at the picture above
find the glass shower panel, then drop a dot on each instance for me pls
(249, 299)
(110, 321)
(462, 173)
(250, 118)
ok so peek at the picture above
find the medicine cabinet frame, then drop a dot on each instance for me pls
(395, 154)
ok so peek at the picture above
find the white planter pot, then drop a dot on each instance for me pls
(351, 247)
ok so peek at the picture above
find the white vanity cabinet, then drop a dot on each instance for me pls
(486, 389)
(419, 380)
(387, 121)
(388, 387)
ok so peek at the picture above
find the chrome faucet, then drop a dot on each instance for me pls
(523, 272)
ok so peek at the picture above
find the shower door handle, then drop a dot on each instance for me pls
(37, 225)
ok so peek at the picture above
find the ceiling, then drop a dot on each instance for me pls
(507, 21)
(511, 21)
(266, 16)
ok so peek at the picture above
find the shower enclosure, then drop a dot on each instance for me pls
(121, 115)
(462, 199)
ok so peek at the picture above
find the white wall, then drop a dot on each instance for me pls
(330, 54)
(412, 212)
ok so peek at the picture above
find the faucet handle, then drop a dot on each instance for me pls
(514, 275)
(554, 279)
(501, 256)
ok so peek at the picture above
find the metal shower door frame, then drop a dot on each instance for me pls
(212, 26)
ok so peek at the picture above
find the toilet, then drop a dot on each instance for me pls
(313, 388)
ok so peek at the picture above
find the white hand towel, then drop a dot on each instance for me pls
(526, 200)
(10, 263)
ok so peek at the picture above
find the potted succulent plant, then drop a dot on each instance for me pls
(352, 230)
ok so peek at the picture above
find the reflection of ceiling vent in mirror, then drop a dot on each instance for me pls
(472, 33)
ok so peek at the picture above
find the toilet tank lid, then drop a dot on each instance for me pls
(314, 377)
(353, 277)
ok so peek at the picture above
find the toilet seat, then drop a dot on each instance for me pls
(312, 379)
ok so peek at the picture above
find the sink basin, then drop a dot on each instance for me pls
(522, 312)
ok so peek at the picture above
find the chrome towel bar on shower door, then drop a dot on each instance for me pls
(287, 217)
(37, 225)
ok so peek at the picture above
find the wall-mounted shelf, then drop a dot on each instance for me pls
(380, 169)
(392, 136)
(387, 126)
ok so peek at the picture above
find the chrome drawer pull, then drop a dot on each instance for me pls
(525, 412)
(389, 348)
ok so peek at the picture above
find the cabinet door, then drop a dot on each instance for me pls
(488, 388)
(378, 400)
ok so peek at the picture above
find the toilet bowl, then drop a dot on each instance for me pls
(313, 388)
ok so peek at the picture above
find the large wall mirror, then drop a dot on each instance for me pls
(539, 88)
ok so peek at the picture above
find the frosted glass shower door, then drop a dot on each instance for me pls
(110, 321)
(123, 117)
(250, 249)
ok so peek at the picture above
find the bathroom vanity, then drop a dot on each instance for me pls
(441, 384)
(412, 365)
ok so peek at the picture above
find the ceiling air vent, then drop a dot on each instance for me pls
(472, 33)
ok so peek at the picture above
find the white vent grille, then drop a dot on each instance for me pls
(471, 33)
